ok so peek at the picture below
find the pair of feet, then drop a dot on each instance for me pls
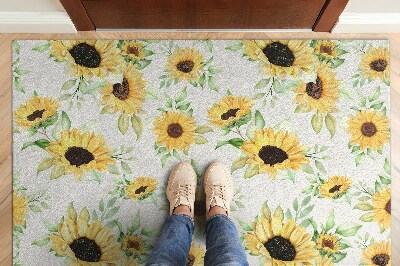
(218, 187)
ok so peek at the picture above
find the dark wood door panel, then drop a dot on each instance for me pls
(203, 14)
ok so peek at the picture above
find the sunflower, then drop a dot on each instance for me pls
(36, 111)
(375, 64)
(323, 261)
(382, 207)
(326, 49)
(185, 64)
(196, 255)
(141, 187)
(20, 208)
(133, 50)
(84, 243)
(134, 245)
(320, 95)
(87, 58)
(377, 254)
(174, 130)
(369, 129)
(328, 243)
(335, 186)
(280, 243)
(273, 151)
(229, 110)
(126, 96)
(282, 58)
(80, 152)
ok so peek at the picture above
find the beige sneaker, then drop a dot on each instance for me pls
(181, 187)
(218, 186)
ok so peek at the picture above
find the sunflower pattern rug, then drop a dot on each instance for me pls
(303, 125)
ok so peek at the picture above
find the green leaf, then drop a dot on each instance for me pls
(200, 139)
(137, 125)
(337, 257)
(65, 121)
(377, 106)
(35, 208)
(203, 129)
(101, 205)
(211, 84)
(181, 96)
(235, 47)
(262, 84)
(364, 206)
(347, 230)
(387, 82)
(236, 142)
(135, 223)
(143, 63)
(123, 123)
(42, 48)
(238, 163)
(367, 217)
(68, 84)
(111, 212)
(111, 202)
(336, 62)
(57, 171)
(150, 233)
(307, 168)
(251, 170)
(202, 80)
(113, 169)
(18, 85)
(125, 167)
(295, 205)
(45, 164)
(330, 222)
(259, 120)
(330, 123)
(386, 166)
(376, 95)
(306, 201)
(320, 166)
(16, 46)
(42, 143)
(245, 226)
(316, 122)
(183, 107)
(41, 242)
(306, 211)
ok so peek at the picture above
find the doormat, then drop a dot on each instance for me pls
(303, 125)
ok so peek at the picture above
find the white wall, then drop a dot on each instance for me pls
(36, 16)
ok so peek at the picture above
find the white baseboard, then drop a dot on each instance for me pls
(36, 22)
(368, 23)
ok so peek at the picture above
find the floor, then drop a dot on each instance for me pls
(5, 111)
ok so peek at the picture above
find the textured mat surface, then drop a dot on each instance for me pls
(98, 125)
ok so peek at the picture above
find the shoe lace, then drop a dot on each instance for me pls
(184, 191)
(218, 191)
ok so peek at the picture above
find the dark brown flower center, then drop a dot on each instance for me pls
(78, 156)
(35, 114)
(325, 49)
(279, 54)
(335, 188)
(378, 65)
(85, 55)
(381, 259)
(272, 155)
(314, 90)
(388, 207)
(368, 129)
(121, 90)
(190, 260)
(132, 50)
(175, 130)
(185, 66)
(133, 244)
(280, 248)
(229, 113)
(328, 243)
(141, 189)
(86, 249)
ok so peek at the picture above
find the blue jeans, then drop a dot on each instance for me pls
(223, 245)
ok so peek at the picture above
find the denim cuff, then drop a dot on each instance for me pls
(218, 215)
(185, 217)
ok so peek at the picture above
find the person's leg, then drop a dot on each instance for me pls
(223, 245)
(173, 245)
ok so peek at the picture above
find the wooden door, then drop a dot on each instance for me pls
(318, 15)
